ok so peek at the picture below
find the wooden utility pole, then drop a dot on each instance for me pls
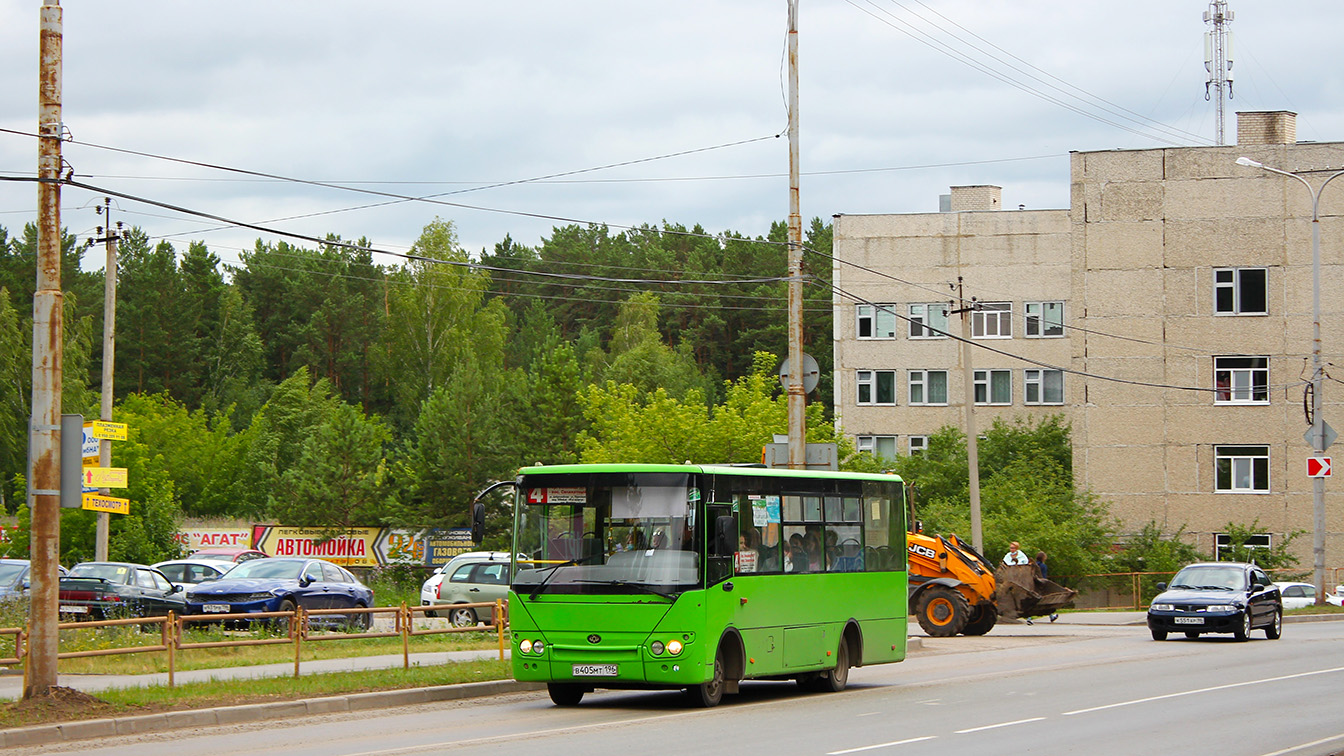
(109, 353)
(797, 396)
(45, 444)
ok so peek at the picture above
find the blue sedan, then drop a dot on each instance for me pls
(281, 585)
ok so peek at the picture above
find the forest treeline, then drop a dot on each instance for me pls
(339, 386)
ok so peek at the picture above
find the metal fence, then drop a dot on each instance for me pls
(296, 626)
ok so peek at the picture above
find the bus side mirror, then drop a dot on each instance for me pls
(725, 536)
(477, 521)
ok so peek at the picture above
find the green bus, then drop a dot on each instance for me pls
(697, 577)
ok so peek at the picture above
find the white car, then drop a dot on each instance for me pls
(429, 590)
(1336, 598)
(1297, 595)
(191, 572)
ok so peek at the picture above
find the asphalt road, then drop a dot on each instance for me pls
(1061, 689)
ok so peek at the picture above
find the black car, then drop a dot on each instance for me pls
(106, 590)
(1217, 597)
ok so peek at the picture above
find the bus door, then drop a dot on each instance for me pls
(721, 543)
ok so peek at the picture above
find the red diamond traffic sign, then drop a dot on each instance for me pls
(1318, 467)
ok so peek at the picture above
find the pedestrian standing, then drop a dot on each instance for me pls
(1045, 575)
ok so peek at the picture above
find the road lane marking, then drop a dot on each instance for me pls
(1204, 690)
(1312, 744)
(1001, 724)
(880, 745)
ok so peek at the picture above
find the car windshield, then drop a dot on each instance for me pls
(9, 571)
(113, 572)
(267, 568)
(1211, 577)
(607, 533)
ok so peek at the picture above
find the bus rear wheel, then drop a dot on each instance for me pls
(565, 694)
(942, 612)
(709, 694)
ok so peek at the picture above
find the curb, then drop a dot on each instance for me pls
(230, 715)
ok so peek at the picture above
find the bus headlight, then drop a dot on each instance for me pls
(656, 647)
(674, 647)
(525, 646)
(538, 647)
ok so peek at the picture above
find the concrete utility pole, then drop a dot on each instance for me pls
(44, 471)
(972, 439)
(797, 396)
(109, 353)
(1319, 430)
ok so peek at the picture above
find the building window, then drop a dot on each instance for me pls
(1241, 380)
(928, 386)
(881, 447)
(1240, 291)
(1043, 387)
(877, 386)
(926, 317)
(1241, 469)
(918, 445)
(876, 321)
(1222, 545)
(992, 320)
(1045, 320)
(993, 387)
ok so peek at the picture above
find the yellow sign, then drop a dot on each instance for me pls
(106, 504)
(105, 477)
(108, 430)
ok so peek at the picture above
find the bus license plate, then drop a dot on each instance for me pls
(216, 608)
(1188, 620)
(594, 670)
(71, 609)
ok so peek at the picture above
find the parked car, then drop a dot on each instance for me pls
(472, 581)
(1217, 597)
(104, 590)
(278, 584)
(190, 572)
(229, 555)
(429, 590)
(1297, 595)
(14, 578)
(1336, 598)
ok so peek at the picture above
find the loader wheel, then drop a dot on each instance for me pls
(942, 612)
(983, 618)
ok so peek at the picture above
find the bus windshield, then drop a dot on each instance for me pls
(604, 533)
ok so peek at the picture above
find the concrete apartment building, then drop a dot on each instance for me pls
(1167, 314)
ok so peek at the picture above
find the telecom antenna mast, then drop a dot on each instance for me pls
(1218, 56)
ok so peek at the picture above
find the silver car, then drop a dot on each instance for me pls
(469, 582)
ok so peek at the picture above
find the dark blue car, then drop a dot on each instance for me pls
(1217, 597)
(281, 585)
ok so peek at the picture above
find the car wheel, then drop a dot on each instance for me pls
(565, 694)
(1243, 631)
(1275, 629)
(1191, 634)
(463, 617)
(281, 624)
(361, 622)
(707, 695)
(1158, 634)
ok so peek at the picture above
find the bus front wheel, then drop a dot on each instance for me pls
(565, 694)
(709, 694)
(835, 680)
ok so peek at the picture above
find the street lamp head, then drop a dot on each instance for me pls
(1243, 160)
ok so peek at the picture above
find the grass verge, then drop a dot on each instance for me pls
(69, 705)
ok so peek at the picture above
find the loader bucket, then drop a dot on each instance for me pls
(1022, 592)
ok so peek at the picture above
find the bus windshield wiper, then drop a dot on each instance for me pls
(627, 584)
(555, 568)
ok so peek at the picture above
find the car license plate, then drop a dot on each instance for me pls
(70, 609)
(216, 608)
(594, 670)
(1188, 620)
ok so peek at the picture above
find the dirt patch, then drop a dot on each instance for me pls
(62, 704)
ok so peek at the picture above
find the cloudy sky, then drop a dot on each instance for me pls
(621, 112)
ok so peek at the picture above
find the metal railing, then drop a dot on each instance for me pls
(296, 624)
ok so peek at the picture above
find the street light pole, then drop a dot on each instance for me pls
(1317, 370)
